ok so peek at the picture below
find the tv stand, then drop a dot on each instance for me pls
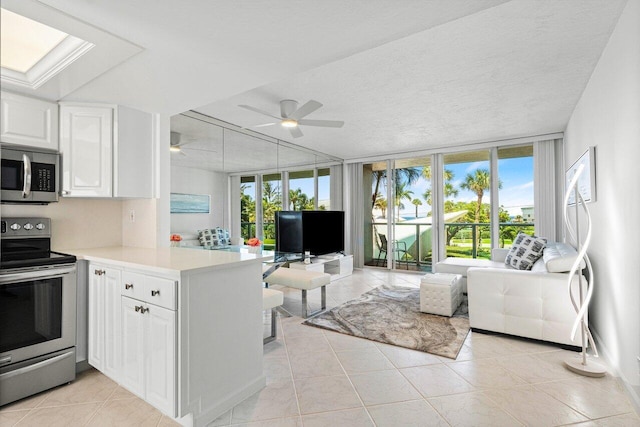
(337, 265)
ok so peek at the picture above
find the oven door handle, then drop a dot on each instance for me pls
(26, 188)
(24, 276)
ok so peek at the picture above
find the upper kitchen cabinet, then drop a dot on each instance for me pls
(28, 121)
(106, 151)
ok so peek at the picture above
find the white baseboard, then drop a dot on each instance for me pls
(634, 395)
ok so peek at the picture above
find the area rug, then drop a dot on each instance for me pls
(391, 315)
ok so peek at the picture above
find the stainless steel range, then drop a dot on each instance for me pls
(37, 310)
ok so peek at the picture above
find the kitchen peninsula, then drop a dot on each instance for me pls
(179, 327)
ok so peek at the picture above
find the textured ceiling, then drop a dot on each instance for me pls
(403, 75)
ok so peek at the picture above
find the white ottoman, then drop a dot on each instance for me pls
(440, 293)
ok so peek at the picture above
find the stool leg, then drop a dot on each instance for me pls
(273, 328)
(304, 303)
(323, 298)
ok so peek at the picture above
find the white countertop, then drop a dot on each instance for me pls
(165, 260)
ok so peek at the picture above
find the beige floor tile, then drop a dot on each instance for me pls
(406, 358)
(485, 373)
(380, 387)
(417, 413)
(436, 380)
(535, 369)
(293, 326)
(276, 422)
(276, 348)
(364, 360)
(347, 418)
(343, 342)
(60, 416)
(276, 368)
(625, 420)
(315, 364)
(10, 418)
(126, 412)
(488, 348)
(324, 394)
(89, 386)
(26, 403)
(476, 409)
(276, 400)
(305, 344)
(587, 399)
(533, 407)
(121, 393)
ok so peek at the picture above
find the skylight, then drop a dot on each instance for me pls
(31, 53)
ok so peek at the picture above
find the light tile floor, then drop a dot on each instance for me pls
(321, 378)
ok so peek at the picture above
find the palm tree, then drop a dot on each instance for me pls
(402, 192)
(449, 189)
(416, 203)
(405, 175)
(478, 182)
(381, 204)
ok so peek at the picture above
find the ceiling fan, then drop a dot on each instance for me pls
(291, 116)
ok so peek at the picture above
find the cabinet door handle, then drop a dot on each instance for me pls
(128, 286)
(99, 272)
(144, 309)
(138, 308)
(154, 293)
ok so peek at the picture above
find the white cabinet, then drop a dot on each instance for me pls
(337, 266)
(104, 319)
(28, 121)
(106, 151)
(149, 351)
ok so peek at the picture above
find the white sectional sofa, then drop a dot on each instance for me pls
(532, 304)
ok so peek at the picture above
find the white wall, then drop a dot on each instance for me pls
(199, 181)
(608, 116)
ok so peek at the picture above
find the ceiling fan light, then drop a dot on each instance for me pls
(289, 123)
(174, 149)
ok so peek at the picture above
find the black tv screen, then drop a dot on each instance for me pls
(322, 232)
(289, 231)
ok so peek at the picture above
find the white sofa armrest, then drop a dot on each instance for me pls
(522, 303)
(499, 254)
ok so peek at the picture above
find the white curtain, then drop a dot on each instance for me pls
(354, 213)
(336, 188)
(549, 184)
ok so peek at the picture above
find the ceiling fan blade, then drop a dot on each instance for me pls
(257, 110)
(322, 123)
(305, 110)
(296, 132)
(263, 125)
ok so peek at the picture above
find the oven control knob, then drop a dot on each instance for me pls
(15, 226)
(28, 226)
(39, 226)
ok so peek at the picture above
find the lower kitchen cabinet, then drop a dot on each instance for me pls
(149, 352)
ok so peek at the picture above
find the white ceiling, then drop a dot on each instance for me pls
(404, 75)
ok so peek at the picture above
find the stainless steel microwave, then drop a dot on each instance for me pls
(28, 175)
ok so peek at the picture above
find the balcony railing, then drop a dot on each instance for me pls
(462, 240)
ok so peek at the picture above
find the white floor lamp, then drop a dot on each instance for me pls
(581, 365)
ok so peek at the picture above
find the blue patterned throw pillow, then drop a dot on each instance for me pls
(525, 251)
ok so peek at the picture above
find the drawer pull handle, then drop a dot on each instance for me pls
(144, 310)
(138, 308)
(128, 286)
(154, 293)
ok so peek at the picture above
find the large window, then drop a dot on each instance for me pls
(301, 191)
(271, 202)
(467, 208)
(324, 189)
(248, 207)
(515, 169)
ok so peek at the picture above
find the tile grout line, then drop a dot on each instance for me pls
(293, 381)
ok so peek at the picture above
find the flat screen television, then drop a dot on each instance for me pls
(319, 232)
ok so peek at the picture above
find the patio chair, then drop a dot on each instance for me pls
(400, 249)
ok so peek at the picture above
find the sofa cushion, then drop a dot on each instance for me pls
(559, 257)
(213, 237)
(525, 251)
